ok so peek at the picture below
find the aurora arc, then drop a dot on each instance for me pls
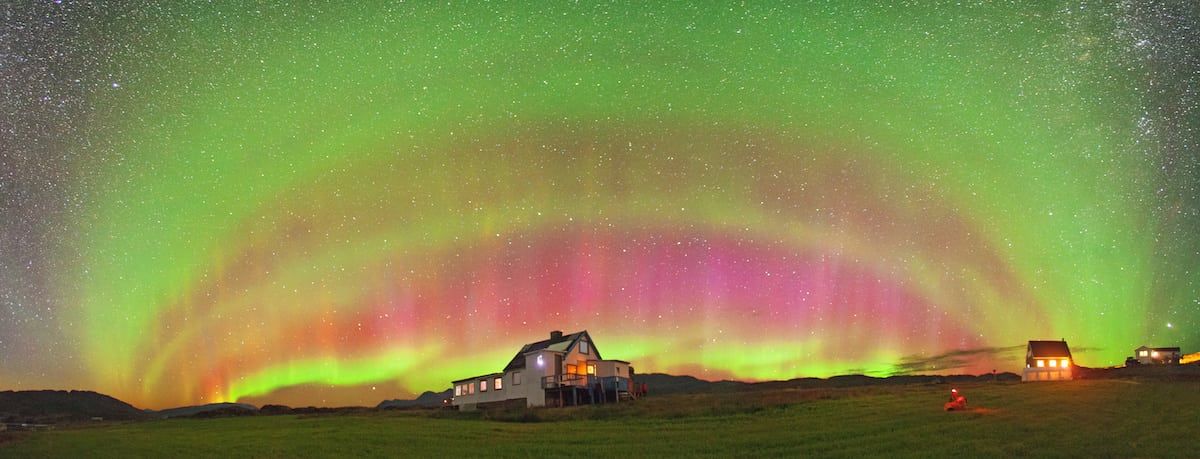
(364, 196)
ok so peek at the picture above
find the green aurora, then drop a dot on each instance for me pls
(356, 195)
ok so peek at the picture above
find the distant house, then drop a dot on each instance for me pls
(1047, 361)
(1157, 355)
(561, 370)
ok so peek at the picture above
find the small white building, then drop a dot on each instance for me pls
(1047, 361)
(1157, 355)
(561, 370)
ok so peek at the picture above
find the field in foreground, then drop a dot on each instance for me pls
(1103, 418)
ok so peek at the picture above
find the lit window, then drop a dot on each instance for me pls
(572, 369)
(483, 386)
(1054, 363)
(458, 390)
(1041, 363)
(583, 347)
(470, 389)
(540, 362)
(1154, 354)
(591, 369)
(498, 384)
(516, 378)
(1143, 353)
(1066, 363)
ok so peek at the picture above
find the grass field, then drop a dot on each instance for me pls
(1081, 418)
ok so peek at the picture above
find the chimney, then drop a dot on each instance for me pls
(556, 334)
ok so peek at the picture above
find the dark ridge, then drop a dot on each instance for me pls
(1187, 372)
(429, 399)
(228, 409)
(659, 383)
(57, 406)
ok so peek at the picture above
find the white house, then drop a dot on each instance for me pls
(561, 370)
(1157, 355)
(1047, 361)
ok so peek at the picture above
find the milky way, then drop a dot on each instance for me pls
(342, 204)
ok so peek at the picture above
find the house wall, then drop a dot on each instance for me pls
(530, 389)
(612, 368)
(1047, 374)
(573, 357)
(532, 376)
(1163, 357)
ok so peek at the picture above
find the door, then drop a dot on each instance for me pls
(558, 369)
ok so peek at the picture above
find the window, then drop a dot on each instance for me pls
(1154, 354)
(572, 369)
(1066, 363)
(458, 390)
(1143, 353)
(498, 383)
(1041, 363)
(483, 386)
(583, 347)
(540, 362)
(516, 378)
(471, 389)
(1054, 363)
(591, 369)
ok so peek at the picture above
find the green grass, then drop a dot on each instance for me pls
(1079, 418)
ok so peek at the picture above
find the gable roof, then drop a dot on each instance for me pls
(489, 375)
(1049, 349)
(1160, 349)
(563, 344)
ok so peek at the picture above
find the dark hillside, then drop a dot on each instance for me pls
(49, 406)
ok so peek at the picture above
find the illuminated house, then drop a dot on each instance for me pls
(1157, 355)
(562, 370)
(1047, 361)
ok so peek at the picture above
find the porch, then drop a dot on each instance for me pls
(583, 389)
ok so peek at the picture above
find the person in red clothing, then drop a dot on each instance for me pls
(957, 401)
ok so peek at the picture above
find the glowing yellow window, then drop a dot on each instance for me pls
(1066, 363)
(1054, 363)
(498, 384)
(1041, 363)
(591, 369)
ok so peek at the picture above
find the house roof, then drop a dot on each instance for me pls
(1049, 349)
(489, 375)
(1160, 349)
(562, 344)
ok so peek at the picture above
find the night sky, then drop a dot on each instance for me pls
(340, 204)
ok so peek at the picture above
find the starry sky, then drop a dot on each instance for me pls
(334, 203)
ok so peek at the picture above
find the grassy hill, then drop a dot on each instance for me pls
(41, 406)
(1080, 418)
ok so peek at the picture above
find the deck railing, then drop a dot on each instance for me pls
(586, 381)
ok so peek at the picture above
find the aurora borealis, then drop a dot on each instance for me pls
(344, 203)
